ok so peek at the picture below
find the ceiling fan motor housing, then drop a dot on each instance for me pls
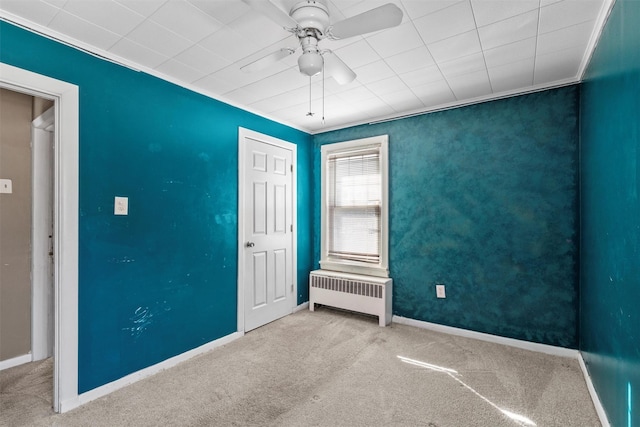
(311, 14)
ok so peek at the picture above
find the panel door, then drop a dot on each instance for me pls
(268, 222)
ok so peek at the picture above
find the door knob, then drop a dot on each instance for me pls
(250, 244)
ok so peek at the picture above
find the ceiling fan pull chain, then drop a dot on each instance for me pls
(309, 113)
(323, 91)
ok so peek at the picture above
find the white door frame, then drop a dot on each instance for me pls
(65, 217)
(242, 134)
(41, 235)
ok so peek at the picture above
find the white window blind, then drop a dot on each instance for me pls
(354, 202)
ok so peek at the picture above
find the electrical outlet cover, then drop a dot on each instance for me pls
(440, 293)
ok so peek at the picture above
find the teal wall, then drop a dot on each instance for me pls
(161, 280)
(610, 216)
(484, 200)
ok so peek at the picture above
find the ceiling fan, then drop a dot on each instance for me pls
(309, 21)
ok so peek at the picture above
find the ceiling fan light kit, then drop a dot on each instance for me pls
(310, 62)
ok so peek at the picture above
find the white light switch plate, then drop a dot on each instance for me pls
(440, 291)
(121, 206)
(5, 186)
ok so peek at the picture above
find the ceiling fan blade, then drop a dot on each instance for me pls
(265, 61)
(337, 69)
(385, 16)
(272, 12)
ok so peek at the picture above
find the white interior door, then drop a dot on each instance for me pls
(267, 231)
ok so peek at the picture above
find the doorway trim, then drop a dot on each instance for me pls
(247, 133)
(42, 141)
(65, 217)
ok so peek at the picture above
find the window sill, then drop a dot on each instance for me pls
(353, 268)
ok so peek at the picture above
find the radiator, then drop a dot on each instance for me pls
(364, 294)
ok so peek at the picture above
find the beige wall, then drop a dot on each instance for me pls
(16, 112)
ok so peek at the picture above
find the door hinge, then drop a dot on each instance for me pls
(291, 167)
(291, 228)
(291, 288)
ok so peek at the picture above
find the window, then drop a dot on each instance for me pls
(354, 207)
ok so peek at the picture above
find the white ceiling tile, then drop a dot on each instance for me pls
(56, 3)
(490, 11)
(512, 52)
(106, 14)
(454, 47)
(220, 41)
(357, 54)
(244, 96)
(509, 30)
(374, 107)
(333, 87)
(422, 76)
(544, 3)
(357, 94)
(402, 101)
(512, 76)
(390, 85)
(395, 40)
(185, 19)
(224, 11)
(559, 65)
(236, 78)
(281, 82)
(568, 12)
(180, 71)
(434, 93)
(298, 112)
(261, 30)
(158, 38)
(288, 99)
(469, 86)
(139, 54)
(35, 11)
(202, 59)
(213, 84)
(418, 8)
(373, 72)
(445, 23)
(83, 31)
(411, 60)
(465, 65)
(568, 37)
(143, 7)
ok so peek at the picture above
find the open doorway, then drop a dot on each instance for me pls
(65, 224)
(27, 126)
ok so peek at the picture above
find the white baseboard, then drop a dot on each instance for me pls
(101, 391)
(303, 306)
(512, 342)
(15, 361)
(594, 395)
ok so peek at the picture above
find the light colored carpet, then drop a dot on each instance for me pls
(331, 368)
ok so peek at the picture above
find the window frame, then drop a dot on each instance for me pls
(381, 269)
